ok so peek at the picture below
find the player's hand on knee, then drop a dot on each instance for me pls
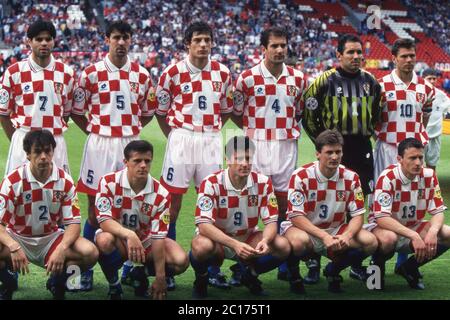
(20, 262)
(344, 241)
(420, 249)
(431, 242)
(56, 261)
(136, 251)
(159, 289)
(332, 243)
(262, 248)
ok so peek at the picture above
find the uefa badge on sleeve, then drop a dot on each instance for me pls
(205, 203)
(311, 103)
(297, 198)
(103, 204)
(4, 96)
(384, 199)
(2, 202)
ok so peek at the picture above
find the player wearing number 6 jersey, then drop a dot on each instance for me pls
(36, 93)
(115, 94)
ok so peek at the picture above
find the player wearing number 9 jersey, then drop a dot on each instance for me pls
(36, 93)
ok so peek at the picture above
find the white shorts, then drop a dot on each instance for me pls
(384, 155)
(37, 249)
(101, 155)
(276, 159)
(433, 151)
(190, 155)
(318, 245)
(17, 156)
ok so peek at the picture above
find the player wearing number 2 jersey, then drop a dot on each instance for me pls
(36, 93)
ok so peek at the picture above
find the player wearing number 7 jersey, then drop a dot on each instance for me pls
(36, 93)
(115, 94)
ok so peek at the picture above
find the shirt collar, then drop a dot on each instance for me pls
(266, 73)
(53, 177)
(321, 178)
(112, 68)
(194, 69)
(36, 68)
(126, 184)
(403, 178)
(229, 186)
(398, 81)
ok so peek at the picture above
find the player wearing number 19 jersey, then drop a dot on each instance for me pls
(36, 93)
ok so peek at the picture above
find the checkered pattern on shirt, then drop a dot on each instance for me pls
(253, 203)
(25, 204)
(114, 99)
(325, 202)
(269, 106)
(397, 123)
(404, 200)
(148, 209)
(37, 99)
(194, 99)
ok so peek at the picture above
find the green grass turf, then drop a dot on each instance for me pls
(32, 286)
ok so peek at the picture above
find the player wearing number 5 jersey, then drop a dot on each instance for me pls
(36, 93)
(115, 94)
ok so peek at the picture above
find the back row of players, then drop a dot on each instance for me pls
(193, 99)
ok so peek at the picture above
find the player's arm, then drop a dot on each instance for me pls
(146, 120)
(7, 126)
(159, 286)
(57, 259)
(18, 258)
(81, 122)
(354, 226)
(165, 128)
(431, 238)
(303, 223)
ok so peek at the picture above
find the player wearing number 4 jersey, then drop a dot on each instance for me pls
(36, 93)
(115, 94)
(34, 200)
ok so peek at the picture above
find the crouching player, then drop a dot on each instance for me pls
(320, 196)
(132, 209)
(34, 199)
(403, 194)
(229, 205)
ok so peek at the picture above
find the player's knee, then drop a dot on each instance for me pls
(298, 241)
(105, 242)
(387, 241)
(282, 247)
(181, 263)
(369, 242)
(202, 246)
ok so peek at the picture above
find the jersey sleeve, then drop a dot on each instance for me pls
(147, 104)
(296, 198)
(161, 219)
(6, 97)
(383, 198)
(268, 211)
(355, 205)
(298, 100)
(435, 203)
(103, 202)
(239, 96)
(81, 95)
(206, 209)
(164, 93)
(70, 88)
(226, 100)
(6, 202)
(70, 207)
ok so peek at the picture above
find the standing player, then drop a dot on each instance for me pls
(115, 93)
(440, 106)
(133, 212)
(321, 194)
(267, 106)
(230, 203)
(194, 100)
(34, 199)
(404, 193)
(36, 93)
(346, 98)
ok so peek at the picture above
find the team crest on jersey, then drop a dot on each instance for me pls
(103, 204)
(297, 198)
(359, 194)
(217, 86)
(223, 203)
(166, 217)
(420, 97)
(76, 203)
(58, 87)
(2, 202)
(4, 96)
(437, 193)
(273, 201)
(340, 195)
(134, 86)
(366, 88)
(252, 200)
(205, 203)
(58, 196)
(291, 91)
(186, 88)
(311, 103)
(145, 208)
(384, 199)
(118, 202)
(260, 91)
(78, 94)
(151, 95)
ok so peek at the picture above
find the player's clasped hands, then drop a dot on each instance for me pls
(136, 252)
(332, 242)
(262, 248)
(20, 262)
(245, 251)
(344, 241)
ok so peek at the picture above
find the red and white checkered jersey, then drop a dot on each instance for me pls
(146, 213)
(403, 108)
(193, 98)
(236, 212)
(406, 200)
(325, 201)
(33, 209)
(269, 105)
(114, 98)
(36, 97)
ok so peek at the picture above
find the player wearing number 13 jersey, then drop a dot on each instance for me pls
(36, 93)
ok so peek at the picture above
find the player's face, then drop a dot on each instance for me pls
(119, 44)
(276, 50)
(241, 164)
(40, 157)
(431, 79)
(405, 60)
(139, 164)
(411, 162)
(200, 46)
(42, 45)
(329, 157)
(352, 57)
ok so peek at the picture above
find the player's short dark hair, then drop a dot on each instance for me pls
(327, 138)
(273, 31)
(39, 26)
(430, 72)
(120, 26)
(408, 143)
(140, 146)
(237, 144)
(38, 138)
(348, 37)
(198, 26)
(402, 43)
